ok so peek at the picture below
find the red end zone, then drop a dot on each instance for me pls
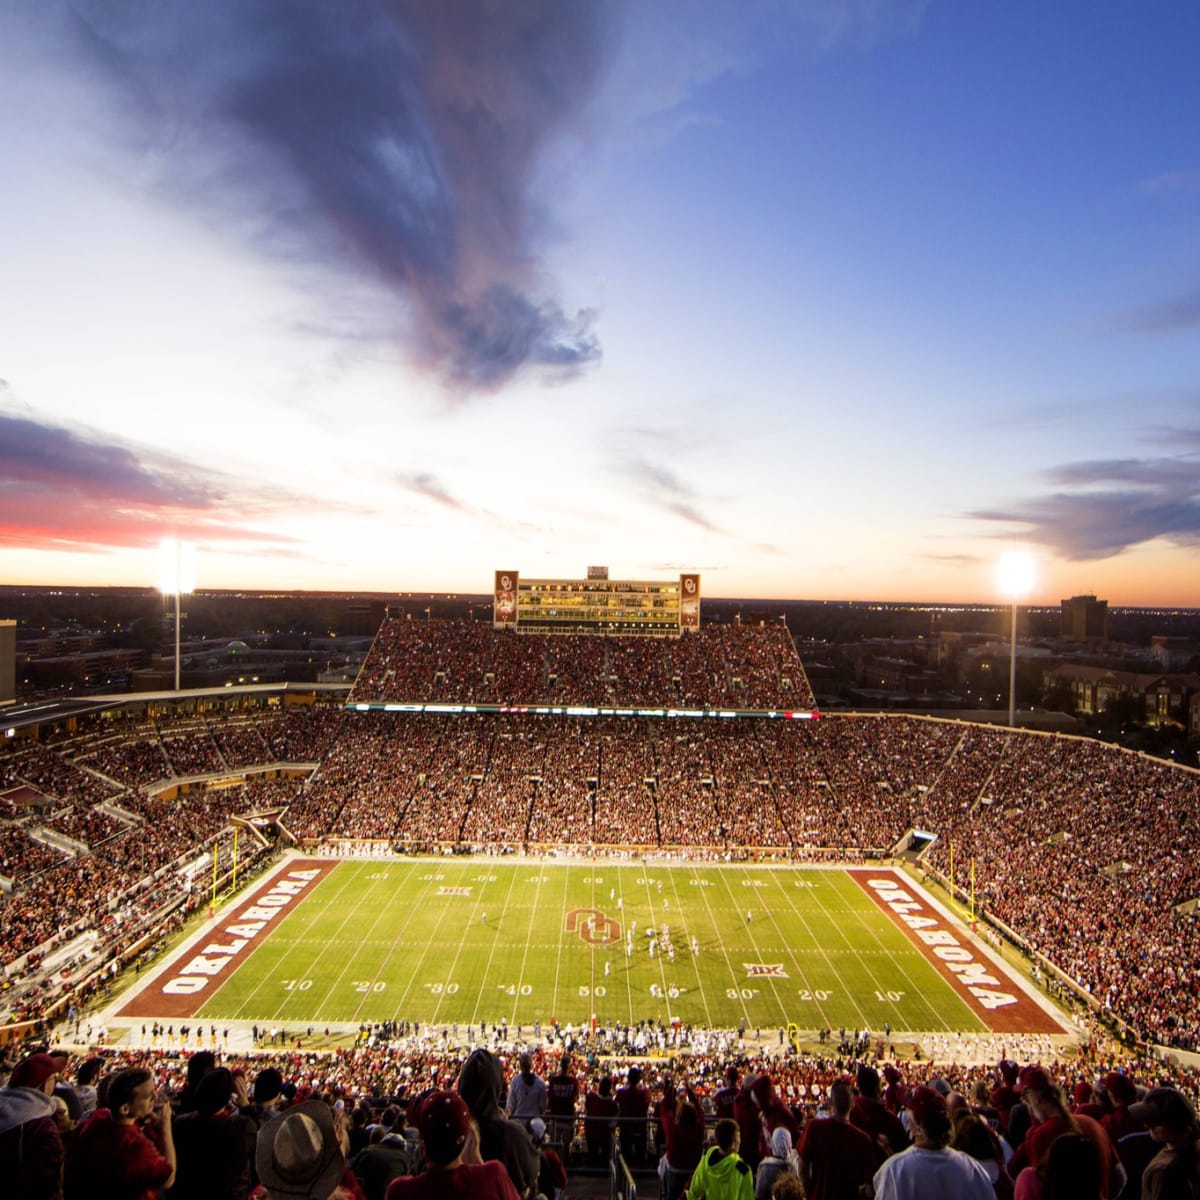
(195, 973)
(987, 988)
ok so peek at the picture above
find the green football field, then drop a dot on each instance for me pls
(466, 941)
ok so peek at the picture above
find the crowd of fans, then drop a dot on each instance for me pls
(718, 666)
(538, 1109)
(1086, 853)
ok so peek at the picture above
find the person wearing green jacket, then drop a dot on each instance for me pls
(722, 1175)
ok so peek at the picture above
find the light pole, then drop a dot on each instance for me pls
(176, 577)
(1015, 574)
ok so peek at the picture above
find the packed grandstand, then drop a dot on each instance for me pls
(457, 735)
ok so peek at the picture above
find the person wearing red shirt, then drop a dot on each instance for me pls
(633, 1105)
(869, 1114)
(112, 1158)
(836, 1158)
(600, 1113)
(682, 1121)
(564, 1093)
(1045, 1101)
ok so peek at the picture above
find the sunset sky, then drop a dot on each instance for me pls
(821, 299)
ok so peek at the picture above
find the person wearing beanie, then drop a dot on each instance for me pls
(453, 1167)
(722, 1173)
(871, 1115)
(1123, 1093)
(929, 1169)
(1005, 1095)
(31, 1146)
(836, 1157)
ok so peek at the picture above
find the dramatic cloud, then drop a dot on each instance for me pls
(69, 489)
(422, 483)
(667, 491)
(397, 138)
(1121, 503)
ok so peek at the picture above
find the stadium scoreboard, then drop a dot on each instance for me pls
(597, 604)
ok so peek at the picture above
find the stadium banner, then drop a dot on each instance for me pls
(689, 602)
(504, 605)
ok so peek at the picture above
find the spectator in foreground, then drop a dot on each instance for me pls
(31, 1148)
(1069, 1171)
(451, 1147)
(527, 1092)
(389, 1158)
(300, 1155)
(213, 1145)
(552, 1177)
(481, 1086)
(112, 1158)
(837, 1159)
(1175, 1169)
(929, 1169)
(682, 1121)
(780, 1161)
(722, 1174)
(600, 1114)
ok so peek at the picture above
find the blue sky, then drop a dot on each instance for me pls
(820, 299)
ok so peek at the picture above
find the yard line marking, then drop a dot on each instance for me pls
(391, 947)
(733, 975)
(682, 908)
(279, 943)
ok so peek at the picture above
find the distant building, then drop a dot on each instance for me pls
(1159, 698)
(1084, 619)
(1173, 653)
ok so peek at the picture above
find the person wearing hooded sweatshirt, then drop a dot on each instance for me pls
(781, 1161)
(481, 1085)
(31, 1148)
(527, 1092)
(722, 1174)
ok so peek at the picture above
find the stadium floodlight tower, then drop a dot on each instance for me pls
(176, 577)
(1015, 575)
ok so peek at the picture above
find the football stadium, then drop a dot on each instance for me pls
(603, 831)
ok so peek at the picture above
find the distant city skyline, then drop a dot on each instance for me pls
(823, 299)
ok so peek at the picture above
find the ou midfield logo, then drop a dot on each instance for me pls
(593, 926)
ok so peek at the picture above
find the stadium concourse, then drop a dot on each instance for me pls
(1084, 855)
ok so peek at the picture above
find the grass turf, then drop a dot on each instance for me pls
(460, 940)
